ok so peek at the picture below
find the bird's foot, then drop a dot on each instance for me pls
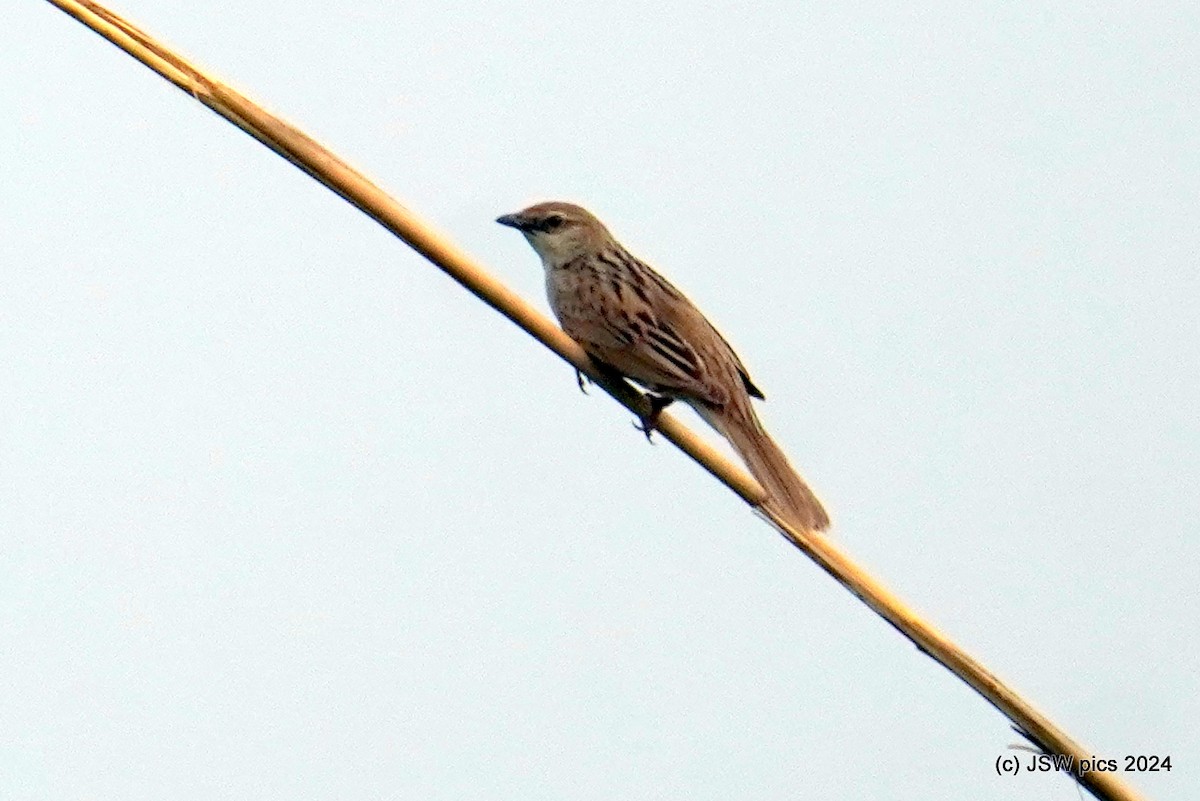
(582, 380)
(650, 421)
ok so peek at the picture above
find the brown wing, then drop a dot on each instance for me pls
(743, 373)
(697, 321)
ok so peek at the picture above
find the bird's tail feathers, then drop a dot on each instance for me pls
(786, 490)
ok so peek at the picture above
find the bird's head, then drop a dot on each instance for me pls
(559, 231)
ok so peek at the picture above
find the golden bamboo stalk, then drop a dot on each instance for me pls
(307, 154)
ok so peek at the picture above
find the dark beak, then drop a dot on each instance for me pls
(513, 221)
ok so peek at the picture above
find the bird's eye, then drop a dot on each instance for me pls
(552, 222)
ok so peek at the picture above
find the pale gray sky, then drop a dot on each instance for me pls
(284, 513)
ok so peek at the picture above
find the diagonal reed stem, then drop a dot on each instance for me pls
(304, 152)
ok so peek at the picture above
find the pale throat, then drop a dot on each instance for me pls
(555, 251)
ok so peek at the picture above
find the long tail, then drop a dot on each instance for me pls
(770, 467)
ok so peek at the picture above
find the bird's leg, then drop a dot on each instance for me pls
(602, 367)
(650, 421)
(647, 423)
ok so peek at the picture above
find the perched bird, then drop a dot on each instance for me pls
(633, 322)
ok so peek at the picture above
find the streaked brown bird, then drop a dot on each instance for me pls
(632, 321)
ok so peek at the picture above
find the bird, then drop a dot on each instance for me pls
(634, 323)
